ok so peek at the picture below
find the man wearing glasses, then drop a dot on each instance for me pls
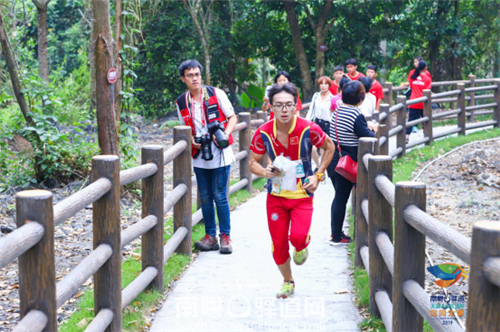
(209, 113)
(289, 213)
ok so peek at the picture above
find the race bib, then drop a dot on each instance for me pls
(300, 169)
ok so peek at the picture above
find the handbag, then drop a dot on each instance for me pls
(346, 166)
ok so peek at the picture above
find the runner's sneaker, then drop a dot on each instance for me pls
(225, 244)
(300, 257)
(344, 239)
(286, 291)
(207, 243)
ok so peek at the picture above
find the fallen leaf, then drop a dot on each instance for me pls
(82, 323)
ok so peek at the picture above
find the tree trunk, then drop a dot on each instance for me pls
(300, 53)
(108, 140)
(92, 105)
(204, 37)
(43, 62)
(14, 76)
(320, 56)
(16, 86)
(118, 60)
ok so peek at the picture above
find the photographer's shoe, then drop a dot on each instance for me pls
(207, 243)
(225, 244)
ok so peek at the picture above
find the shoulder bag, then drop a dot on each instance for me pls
(346, 167)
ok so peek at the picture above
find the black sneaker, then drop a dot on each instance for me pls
(344, 239)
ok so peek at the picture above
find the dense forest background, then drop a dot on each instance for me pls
(241, 44)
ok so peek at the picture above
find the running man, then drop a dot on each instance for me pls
(289, 213)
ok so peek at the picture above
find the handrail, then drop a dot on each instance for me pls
(137, 173)
(173, 197)
(386, 188)
(417, 142)
(137, 229)
(173, 243)
(34, 321)
(415, 101)
(479, 107)
(481, 88)
(386, 249)
(174, 151)
(420, 300)
(101, 321)
(450, 82)
(19, 241)
(240, 126)
(138, 285)
(446, 237)
(446, 113)
(417, 121)
(480, 124)
(395, 108)
(385, 306)
(491, 270)
(74, 203)
(446, 94)
(395, 130)
(82, 272)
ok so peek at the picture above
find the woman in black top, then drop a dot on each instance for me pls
(350, 125)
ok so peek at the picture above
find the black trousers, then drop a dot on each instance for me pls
(415, 113)
(343, 189)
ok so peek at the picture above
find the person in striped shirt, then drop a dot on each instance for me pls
(346, 127)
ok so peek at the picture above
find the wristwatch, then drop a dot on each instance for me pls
(321, 176)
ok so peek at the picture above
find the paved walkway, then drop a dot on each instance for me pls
(237, 292)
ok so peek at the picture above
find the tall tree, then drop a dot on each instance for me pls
(300, 52)
(13, 72)
(320, 29)
(202, 24)
(108, 139)
(118, 60)
(43, 62)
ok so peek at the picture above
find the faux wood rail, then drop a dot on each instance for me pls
(32, 241)
(396, 266)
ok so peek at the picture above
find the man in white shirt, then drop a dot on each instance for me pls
(370, 103)
(209, 113)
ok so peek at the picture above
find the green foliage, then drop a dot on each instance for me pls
(54, 154)
(170, 124)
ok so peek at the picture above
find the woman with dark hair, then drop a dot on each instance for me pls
(419, 81)
(346, 127)
(281, 78)
(337, 99)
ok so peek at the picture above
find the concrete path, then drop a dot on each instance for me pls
(237, 292)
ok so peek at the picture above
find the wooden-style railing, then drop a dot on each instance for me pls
(395, 258)
(461, 96)
(33, 240)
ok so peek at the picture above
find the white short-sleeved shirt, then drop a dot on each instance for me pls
(368, 106)
(220, 159)
(321, 108)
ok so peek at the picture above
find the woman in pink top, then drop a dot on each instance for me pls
(337, 99)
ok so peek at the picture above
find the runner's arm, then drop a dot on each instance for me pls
(257, 169)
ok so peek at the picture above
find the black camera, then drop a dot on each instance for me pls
(217, 129)
(206, 150)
